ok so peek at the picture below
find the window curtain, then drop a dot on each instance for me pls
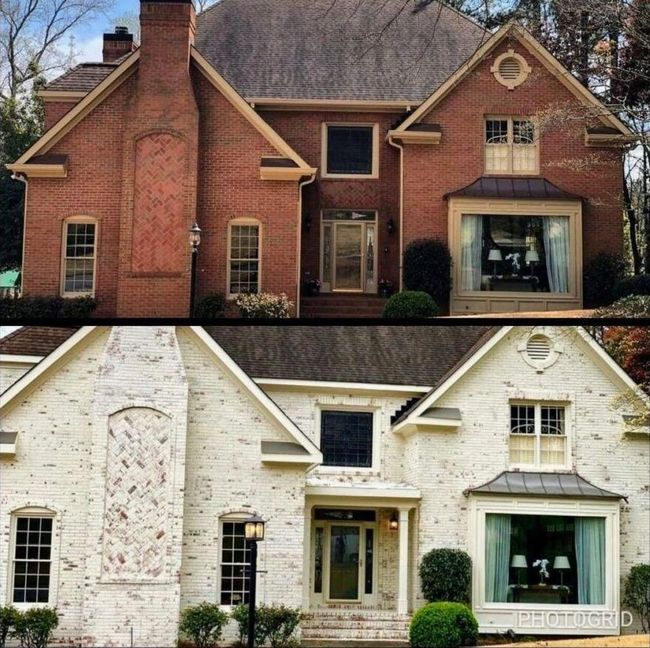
(497, 558)
(471, 242)
(556, 244)
(590, 560)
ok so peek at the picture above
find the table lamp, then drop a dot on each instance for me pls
(519, 562)
(531, 259)
(561, 563)
(494, 256)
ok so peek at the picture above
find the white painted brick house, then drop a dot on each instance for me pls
(129, 457)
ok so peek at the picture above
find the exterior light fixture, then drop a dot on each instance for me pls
(391, 226)
(195, 237)
(195, 241)
(393, 525)
(254, 533)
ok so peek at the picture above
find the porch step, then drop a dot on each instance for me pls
(354, 626)
(338, 305)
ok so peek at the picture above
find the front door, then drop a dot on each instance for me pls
(348, 257)
(345, 555)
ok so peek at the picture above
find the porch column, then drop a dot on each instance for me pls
(306, 569)
(403, 566)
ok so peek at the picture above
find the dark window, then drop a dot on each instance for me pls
(346, 439)
(235, 564)
(370, 537)
(32, 560)
(349, 149)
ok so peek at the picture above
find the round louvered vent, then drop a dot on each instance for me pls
(538, 348)
(510, 69)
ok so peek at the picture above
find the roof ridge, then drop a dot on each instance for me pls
(12, 334)
(467, 17)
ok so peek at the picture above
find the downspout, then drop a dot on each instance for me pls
(301, 184)
(22, 178)
(401, 205)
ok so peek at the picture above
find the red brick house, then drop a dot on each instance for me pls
(311, 141)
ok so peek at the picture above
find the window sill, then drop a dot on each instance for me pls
(71, 295)
(348, 470)
(349, 176)
(534, 468)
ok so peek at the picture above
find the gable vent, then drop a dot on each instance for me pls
(510, 69)
(538, 348)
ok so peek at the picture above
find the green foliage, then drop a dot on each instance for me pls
(634, 306)
(600, 278)
(410, 303)
(211, 306)
(8, 616)
(31, 308)
(263, 305)
(446, 575)
(34, 627)
(427, 267)
(636, 285)
(203, 624)
(274, 623)
(443, 625)
(636, 593)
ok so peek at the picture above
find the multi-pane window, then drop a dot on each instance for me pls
(350, 150)
(32, 560)
(235, 563)
(79, 258)
(244, 259)
(510, 146)
(538, 435)
(346, 439)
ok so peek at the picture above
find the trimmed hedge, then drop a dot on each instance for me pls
(636, 285)
(443, 625)
(427, 268)
(203, 624)
(633, 306)
(636, 594)
(600, 278)
(30, 308)
(446, 575)
(211, 306)
(410, 303)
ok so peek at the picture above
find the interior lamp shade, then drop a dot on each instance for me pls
(561, 562)
(495, 255)
(519, 561)
(532, 256)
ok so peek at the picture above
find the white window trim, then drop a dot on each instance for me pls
(538, 404)
(64, 234)
(40, 512)
(511, 145)
(489, 613)
(244, 221)
(375, 466)
(227, 517)
(351, 176)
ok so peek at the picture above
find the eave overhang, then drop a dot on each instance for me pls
(417, 134)
(42, 166)
(610, 137)
(278, 168)
(285, 452)
(63, 96)
(8, 442)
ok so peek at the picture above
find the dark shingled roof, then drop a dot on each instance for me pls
(325, 49)
(546, 484)
(527, 188)
(399, 355)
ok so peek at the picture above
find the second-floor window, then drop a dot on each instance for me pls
(511, 146)
(346, 439)
(350, 150)
(538, 435)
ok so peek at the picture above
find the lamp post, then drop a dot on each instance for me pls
(195, 241)
(254, 533)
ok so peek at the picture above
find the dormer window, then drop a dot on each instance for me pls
(511, 146)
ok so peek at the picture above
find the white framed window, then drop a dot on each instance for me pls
(244, 256)
(234, 584)
(79, 257)
(31, 558)
(538, 435)
(350, 150)
(511, 146)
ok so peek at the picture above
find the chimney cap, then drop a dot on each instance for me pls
(121, 34)
(121, 29)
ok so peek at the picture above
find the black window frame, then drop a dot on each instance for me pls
(340, 452)
(338, 143)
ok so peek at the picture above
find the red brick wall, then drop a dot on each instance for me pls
(433, 171)
(54, 110)
(302, 131)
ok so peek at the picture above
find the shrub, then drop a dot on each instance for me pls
(633, 306)
(34, 627)
(443, 625)
(259, 305)
(410, 304)
(636, 285)
(8, 616)
(29, 308)
(240, 616)
(636, 593)
(203, 624)
(446, 575)
(211, 306)
(278, 624)
(600, 277)
(427, 267)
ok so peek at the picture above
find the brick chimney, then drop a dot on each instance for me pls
(117, 45)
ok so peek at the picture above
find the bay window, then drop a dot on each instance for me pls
(538, 435)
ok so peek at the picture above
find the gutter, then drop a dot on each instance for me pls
(301, 184)
(392, 142)
(20, 177)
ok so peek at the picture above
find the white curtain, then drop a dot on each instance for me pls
(590, 560)
(471, 241)
(556, 245)
(497, 557)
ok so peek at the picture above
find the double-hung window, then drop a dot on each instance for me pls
(538, 435)
(235, 563)
(244, 264)
(32, 559)
(350, 150)
(511, 146)
(79, 249)
(346, 439)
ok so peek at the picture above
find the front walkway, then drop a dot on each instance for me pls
(626, 641)
(537, 314)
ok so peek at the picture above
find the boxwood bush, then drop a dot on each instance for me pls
(446, 575)
(410, 303)
(212, 306)
(636, 594)
(33, 628)
(633, 306)
(275, 624)
(31, 308)
(427, 267)
(600, 277)
(203, 624)
(636, 285)
(443, 625)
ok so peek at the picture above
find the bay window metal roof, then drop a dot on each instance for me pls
(542, 484)
(525, 188)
